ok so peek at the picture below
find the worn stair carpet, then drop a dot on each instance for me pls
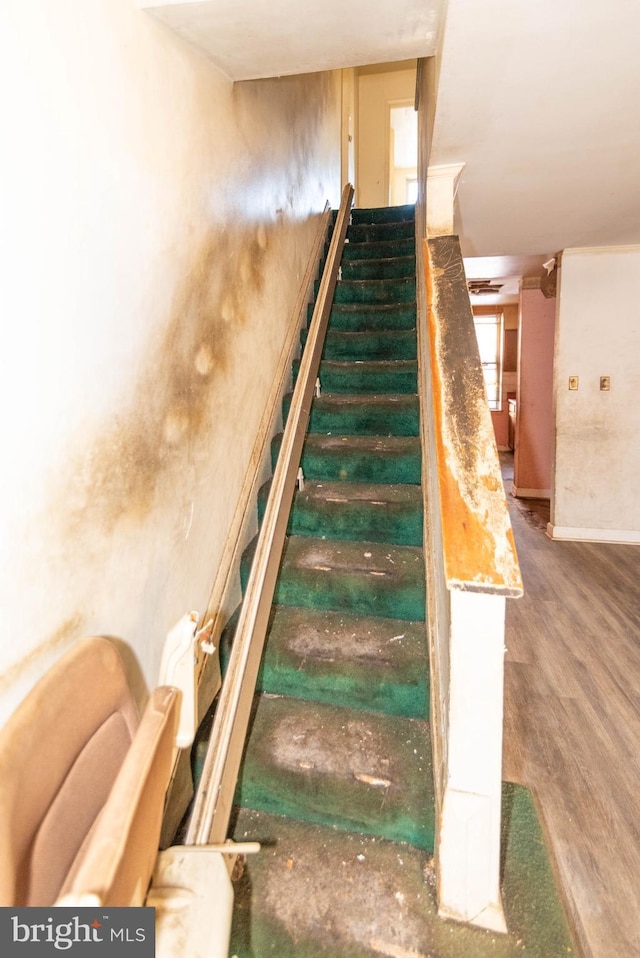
(336, 780)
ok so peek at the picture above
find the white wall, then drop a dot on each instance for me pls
(597, 447)
(155, 223)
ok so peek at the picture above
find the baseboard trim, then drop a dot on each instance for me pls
(614, 536)
(530, 493)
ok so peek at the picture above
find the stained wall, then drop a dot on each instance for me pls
(597, 441)
(156, 223)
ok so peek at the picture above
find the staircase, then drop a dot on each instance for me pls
(336, 781)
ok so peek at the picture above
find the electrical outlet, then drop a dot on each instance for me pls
(573, 382)
(605, 383)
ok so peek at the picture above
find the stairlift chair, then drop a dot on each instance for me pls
(83, 781)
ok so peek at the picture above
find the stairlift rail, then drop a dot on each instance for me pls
(212, 806)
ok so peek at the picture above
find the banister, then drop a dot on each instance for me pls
(212, 807)
(472, 568)
(478, 546)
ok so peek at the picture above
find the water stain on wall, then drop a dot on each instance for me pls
(56, 642)
(115, 477)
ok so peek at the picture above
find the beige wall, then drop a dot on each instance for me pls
(376, 91)
(156, 225)
(597, 448)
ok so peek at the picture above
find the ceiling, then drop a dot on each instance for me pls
(539, 100)
(503, 271)
(248, 39)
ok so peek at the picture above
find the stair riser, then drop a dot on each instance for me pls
(395, 523)
(398, 268)
(380, 232)
(382, 250)
(340, 592)
(352, 592)
(376, 665)
(405, 213)
(350, 317)
(370, 378)
(356, 465)
(358, 347)
(372, 291)
(362, 417)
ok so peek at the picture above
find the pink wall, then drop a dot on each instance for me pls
(534, 430)
(500, 422)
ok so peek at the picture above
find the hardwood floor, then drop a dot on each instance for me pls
(572, 719)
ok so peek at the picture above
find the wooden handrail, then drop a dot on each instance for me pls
(479, 548)
(212, 807)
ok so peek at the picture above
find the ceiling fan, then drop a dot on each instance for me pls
(480, 287)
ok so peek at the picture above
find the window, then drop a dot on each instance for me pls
(489, 334)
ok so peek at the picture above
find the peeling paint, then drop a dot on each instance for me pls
(480, 551)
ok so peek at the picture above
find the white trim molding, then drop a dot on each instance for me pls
(530, 493)
(442, 186)
(614, 536)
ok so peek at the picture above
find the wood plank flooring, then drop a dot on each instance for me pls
(572, 719)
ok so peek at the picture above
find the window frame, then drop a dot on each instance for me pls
(491, 360)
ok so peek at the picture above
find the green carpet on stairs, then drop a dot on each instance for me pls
(317, 892)
(336, 779)
(360, 771)
(360, 511)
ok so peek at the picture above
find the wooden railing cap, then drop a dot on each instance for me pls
(479, 548)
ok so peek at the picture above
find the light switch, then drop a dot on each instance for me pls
(605, 383)
(573, 382)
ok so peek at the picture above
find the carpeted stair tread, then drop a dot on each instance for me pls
(388, 268)
(381, 249)
(317, 892)
(359, 458)
(376, 290)
(348, 510)
(374, 415)
(384, 214)
(373, 663)
(366, 376)
(340, 766)
(363, 317)
(378, 232)
(367, 578)
(396, 344)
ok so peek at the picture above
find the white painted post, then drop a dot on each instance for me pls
(442, 184)
(468, 855)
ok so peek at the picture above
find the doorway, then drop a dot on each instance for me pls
(403, 153)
